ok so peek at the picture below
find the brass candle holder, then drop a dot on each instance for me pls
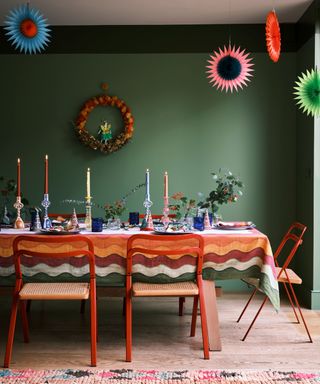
(18, 205)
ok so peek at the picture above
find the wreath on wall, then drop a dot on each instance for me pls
(112, 144)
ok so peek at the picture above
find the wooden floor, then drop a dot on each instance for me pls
(60, 337)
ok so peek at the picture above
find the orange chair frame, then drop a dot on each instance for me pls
(297, 241)
(18, 252)
(66, 215)
(131, 250)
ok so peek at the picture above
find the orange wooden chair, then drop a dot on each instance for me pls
(291, 242)
(171, 216)
(51, 291)
(177, 245)
(65, 215)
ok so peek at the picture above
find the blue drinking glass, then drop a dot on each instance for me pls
(198, 223)
(97, 224)
(134, 218)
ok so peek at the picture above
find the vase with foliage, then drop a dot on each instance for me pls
(228, 190)
(8, 189)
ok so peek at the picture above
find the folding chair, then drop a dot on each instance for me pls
(286, 276)
(24, 245)
(158, 245)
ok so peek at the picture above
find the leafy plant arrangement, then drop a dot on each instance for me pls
(8, 190)
(183, 206)
(111, 210)
(115, 209)
(228, 190)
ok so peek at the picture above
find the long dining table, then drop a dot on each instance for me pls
(228, 254)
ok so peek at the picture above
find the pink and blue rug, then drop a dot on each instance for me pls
(128, 376)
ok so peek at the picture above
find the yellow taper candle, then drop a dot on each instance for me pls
(88, 182)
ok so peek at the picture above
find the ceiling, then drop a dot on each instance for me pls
(152, 12)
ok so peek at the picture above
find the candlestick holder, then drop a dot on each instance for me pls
(46, 204)
(18, 205)
(147, 223)
(88, 219)
(37, 222)
(165, 218)
(206, 221)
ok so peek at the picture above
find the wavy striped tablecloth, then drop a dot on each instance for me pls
(228, 255)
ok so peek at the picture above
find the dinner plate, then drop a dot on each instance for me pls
(234, 228)
(171, 233)
(53, 232)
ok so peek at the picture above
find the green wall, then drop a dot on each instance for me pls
(182, 125)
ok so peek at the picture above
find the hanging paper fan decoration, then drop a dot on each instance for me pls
(27, 30)
(229, 68)
(308, 92)
(273, 36)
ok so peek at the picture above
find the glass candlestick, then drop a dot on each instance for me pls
(46, 203)
(88, 219)
(165, 218)
(147, 223)
(18, 205)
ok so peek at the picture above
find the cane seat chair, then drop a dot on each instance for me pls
(64, 216)
(64, 247)
(289, 245)
(153, 246)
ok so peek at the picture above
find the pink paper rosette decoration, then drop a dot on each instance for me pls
(229, 68)
(273, 36)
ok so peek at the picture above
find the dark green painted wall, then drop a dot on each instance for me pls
(182, 125)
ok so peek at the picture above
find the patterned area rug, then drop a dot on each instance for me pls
(128, 376)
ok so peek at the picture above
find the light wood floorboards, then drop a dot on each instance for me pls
(60, 337)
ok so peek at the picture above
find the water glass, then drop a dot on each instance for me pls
(198, 223)
(97, 224)
(134, 218)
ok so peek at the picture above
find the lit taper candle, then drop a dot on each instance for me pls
(46, 183)
(88, 183)
(147, 184)
(166, 181)
(18, 178)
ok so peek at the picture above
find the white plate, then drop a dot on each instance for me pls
(171, 233)
(229, 227)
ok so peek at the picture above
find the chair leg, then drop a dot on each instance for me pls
(128, 328)
(83, 306)
(291, 302)
(299, 309)
(28, 305)
(12, 327)
(204, 326)
(25, 325)
(194, 316)
(124, 307)
(181, 303)
(246, 306)
(93, 328)
(255, 318)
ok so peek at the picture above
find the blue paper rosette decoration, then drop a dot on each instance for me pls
(27, 29)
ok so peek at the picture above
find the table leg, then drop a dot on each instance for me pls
(209, 292)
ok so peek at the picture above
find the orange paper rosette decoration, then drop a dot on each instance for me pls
(273, 36)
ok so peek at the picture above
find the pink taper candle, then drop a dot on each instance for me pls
(46, 188)
(18, 178)
(166, 185)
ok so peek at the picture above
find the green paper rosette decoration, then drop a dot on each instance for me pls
(27, 29)
(308, 92)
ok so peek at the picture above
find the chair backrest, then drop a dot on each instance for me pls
(28, 245)
(294, 236)
(158, 245)
(171, 216)
(65, 215)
